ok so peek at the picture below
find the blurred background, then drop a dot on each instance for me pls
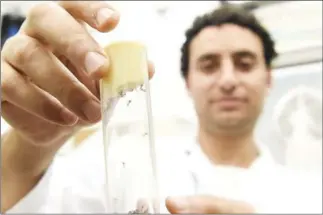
(296, 96)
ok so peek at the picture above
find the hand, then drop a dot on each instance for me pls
(206, 205)
(50, 70)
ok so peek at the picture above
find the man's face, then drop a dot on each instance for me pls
(228, 78)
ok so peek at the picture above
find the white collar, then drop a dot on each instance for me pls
(228, 182)
(199, 160)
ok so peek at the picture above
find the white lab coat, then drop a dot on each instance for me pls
(75, 184)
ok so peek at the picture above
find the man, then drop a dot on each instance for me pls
(49, 74)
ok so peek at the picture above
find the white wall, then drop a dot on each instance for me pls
(294, 25)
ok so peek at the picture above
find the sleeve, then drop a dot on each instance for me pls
(72, 184)
(36, 201)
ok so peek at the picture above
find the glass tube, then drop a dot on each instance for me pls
(128, 134)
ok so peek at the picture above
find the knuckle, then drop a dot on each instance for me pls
(40, 10)
(6, 86)
(8, 46)
(79, 44)
(64, 90)
(69, 4)
(23, 50)
(7, 80)
(60, 90)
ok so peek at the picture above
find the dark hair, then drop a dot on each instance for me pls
(223, 15)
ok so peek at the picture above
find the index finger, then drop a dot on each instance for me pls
(98, 14)
(51, 24)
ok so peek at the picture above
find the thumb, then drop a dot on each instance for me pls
(205, 204)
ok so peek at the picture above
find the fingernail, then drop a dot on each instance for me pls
(92, 110)
(93, 61)
(180, 204)
(104, 15)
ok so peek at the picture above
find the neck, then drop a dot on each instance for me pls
(240, 150)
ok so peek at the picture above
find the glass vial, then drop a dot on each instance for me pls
(129, 148)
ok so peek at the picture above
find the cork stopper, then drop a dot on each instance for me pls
(128, 68)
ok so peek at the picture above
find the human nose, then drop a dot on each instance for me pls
(228, 79)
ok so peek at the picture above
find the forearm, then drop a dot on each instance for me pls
(22, 166)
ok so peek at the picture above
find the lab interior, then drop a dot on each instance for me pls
(289, 126)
